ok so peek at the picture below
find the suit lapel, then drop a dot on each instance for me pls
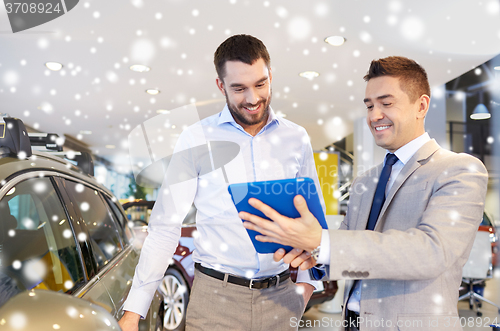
(413, 164)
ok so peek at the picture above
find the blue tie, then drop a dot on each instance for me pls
(379, 198)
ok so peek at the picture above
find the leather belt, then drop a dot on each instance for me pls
(253, 284)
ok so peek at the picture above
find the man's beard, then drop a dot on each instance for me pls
(239, 116)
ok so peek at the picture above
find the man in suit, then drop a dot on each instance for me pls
(411, 221)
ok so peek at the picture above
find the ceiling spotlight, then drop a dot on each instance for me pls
(480, 113)
(54, 66)
(335, 40)
(496, 68)
(139, 68)
(85, 132)
(309, 74)
(110, 146)
(163, 111)
(152, 91)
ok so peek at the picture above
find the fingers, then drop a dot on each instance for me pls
(268, 230)
(308, 264)
(279, 254)
(301, 205)
(256, 223)
(299, 260)
(292, 255)
(296, 258)
(268, 211)
(268, 239)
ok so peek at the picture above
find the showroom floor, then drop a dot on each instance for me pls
(469, 319)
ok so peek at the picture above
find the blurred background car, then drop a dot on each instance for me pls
(487, 226)
(178, 280)
(60, 230)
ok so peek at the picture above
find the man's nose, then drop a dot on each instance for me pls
(375, 114)
(252, 97)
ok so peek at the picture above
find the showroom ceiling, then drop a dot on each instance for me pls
(96, 97)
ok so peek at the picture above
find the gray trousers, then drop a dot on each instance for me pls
(214, 305)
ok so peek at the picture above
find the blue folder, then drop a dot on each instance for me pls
(279, 195)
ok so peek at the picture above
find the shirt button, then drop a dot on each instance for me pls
(357, 292)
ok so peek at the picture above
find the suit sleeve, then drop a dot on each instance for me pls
(442, 238)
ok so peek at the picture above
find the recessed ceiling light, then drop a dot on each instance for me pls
(152, 91)
(163, 111)
(54, 66)
(335, 40)
(139, 68)
(85, 132)
(110, 146)
(496, 68)
(309, 74)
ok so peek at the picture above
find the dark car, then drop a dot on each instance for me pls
(179, 275)
(61, 230)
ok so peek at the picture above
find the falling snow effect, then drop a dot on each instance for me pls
(412, 28)
(299, 28)
(143, 51)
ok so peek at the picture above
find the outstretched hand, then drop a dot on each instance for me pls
(303, 232)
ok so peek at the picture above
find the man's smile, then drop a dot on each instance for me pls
(253, 110)
(382, 127)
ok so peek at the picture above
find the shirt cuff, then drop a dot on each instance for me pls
(138, 303)
(303, 277)
(324, 252)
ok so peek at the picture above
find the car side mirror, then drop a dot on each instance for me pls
(43, 310)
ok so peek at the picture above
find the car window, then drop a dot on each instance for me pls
(116, 212)
(104, 233)
(486, 220)
(38, 249)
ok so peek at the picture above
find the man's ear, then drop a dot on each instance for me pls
(270, 75)
(424, 103)
(220, 85)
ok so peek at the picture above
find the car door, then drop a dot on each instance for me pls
(113, 255)
(38, 247)
(101, 239)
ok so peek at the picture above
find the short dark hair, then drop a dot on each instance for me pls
(412, 77)
(241, 47)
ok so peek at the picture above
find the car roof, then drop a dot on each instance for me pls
(11, 166)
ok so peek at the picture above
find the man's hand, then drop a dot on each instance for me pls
(296, 258)
(129, 321)
(307, 291)
(303, 232)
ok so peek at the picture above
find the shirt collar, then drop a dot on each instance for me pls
(407, 151)
(226, 117)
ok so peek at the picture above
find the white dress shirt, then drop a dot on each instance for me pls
(280, 150)
(404, 154)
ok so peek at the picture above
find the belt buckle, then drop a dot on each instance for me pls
(251, 284)
(277, 280)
